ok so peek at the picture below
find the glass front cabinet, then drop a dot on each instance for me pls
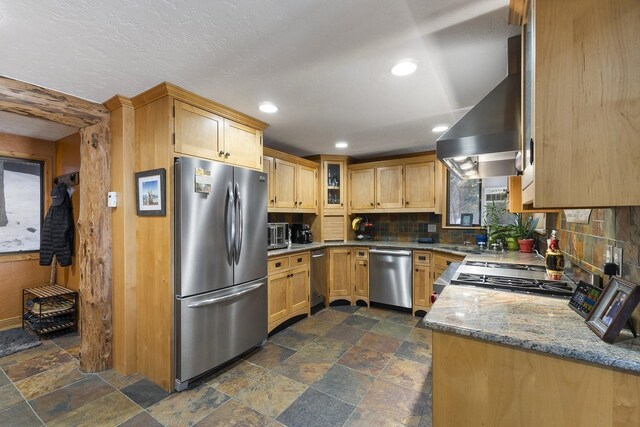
(334, 185)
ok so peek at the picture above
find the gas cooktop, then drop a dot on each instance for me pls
(516, 284)
(521, 278)
(488, 264)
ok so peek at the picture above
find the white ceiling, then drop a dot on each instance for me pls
(325, 63)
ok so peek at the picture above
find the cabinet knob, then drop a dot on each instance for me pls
(227, 154)
(341, 204)
(221, 153)
(372, 203)
(278, 264)
(272, 201)
(416, 269)
(378, 203)
(406, 203)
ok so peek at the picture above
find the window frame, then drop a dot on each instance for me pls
(446, 215)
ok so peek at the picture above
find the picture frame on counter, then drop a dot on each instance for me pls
(466, 220)
(151, 192)
(613, 309)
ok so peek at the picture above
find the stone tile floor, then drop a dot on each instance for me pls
(344, 366)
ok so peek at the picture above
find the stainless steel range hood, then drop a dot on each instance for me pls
(486, 140)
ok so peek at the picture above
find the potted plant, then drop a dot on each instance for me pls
(523, 229)
(495, 217)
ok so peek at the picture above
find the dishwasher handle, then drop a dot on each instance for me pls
(317, 256)
(390, 252)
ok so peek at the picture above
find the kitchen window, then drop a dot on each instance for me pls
(21, 191)
(464, 196)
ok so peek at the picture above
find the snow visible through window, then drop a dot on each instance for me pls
(20, 205)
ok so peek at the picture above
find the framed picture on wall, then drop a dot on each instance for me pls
(466, 220)
(151, 193)
(613, 308)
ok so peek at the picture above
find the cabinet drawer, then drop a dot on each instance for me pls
(299, 260)
(421, 258)
(361, 253)
(443, 261)
(278, 264)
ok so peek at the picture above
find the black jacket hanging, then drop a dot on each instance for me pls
(58, 229)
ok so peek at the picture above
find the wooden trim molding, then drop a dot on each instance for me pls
(117, 101)
(30, 100)
(266, 151)
(10, 323)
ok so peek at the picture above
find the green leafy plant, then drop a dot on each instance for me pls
(523, 228)
(495, 217)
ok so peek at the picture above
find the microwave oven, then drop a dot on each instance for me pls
(278, 235)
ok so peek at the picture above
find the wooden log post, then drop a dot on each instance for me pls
(94, 252)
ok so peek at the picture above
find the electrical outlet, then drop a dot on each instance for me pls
(608, 256)
(431, 228)
(617, 258)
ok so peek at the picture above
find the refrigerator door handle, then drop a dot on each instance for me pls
(239, 225)
(224, 298)
(229, 224)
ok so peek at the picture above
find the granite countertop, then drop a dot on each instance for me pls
(507, 256)
(531, 322)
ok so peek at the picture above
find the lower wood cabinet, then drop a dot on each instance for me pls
(422, 281)
(360, 275)
(441, 261)
(288, 288)
(339, 274)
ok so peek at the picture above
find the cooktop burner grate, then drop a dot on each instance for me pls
(488, 264)
(516, 284)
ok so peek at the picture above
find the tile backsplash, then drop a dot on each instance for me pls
(408, 227)
(585, 244)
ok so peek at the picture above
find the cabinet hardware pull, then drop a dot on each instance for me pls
(221, 152)
(416, 269)
(372, 203)
(227, 154)
(299, 259)
(422, 258)
(406, 203)
(531, 149)
(272, 201)
(278, 264)
(378, 203)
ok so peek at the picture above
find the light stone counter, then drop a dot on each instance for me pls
(530, 322)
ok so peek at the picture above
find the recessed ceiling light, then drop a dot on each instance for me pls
(466, 166)
(404, 68)
(268, 107)
(341, 144)
(440, 128)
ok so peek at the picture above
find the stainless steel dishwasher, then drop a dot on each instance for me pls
(318, 276)
(390, 280)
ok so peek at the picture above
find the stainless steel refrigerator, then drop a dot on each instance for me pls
(220, 265)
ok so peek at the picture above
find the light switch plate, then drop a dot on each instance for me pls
(431, 228)
(112, 199)
(608, 256)
(617, 258)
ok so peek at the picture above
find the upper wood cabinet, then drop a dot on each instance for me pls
(389, 188)
(399, 185)
(293, 183)
(333, 185)
(419, 188)
(201, 133)
(242, 145)
(198, 132)
(267, 167)
(362, 189)
(284, 182)
(580, 102)
(307, 187)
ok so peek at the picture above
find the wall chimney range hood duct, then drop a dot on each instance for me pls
(486, 141)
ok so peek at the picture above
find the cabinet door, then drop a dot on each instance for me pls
(361, 278)
(339, 269)
(389, 191)
(333, 186)
(243, 145)
(198, 132)
(278, 304)
(422, 286)
(419, 186)
(307, 188)
(267, 167)
(362, 189)
(299, 290)
(284, 184)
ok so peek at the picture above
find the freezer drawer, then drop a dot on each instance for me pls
(215, 327)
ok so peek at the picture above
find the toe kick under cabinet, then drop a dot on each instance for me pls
(288, 288)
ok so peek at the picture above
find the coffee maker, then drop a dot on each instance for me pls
(301, 233)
